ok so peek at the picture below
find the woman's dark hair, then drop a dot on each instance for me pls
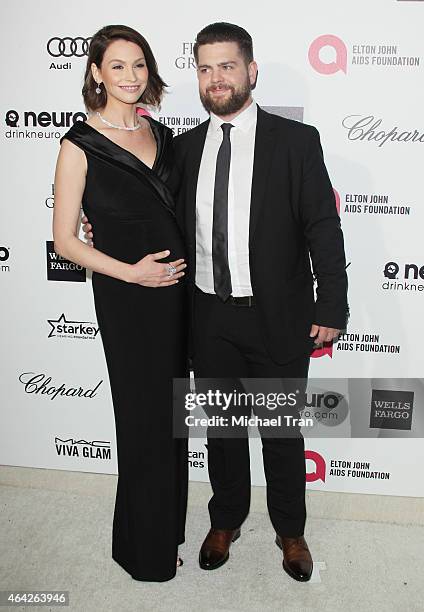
(153, 93)
(225, 32)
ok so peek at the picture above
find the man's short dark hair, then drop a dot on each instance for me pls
(225, 32)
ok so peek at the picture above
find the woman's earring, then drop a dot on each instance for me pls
(98, 90)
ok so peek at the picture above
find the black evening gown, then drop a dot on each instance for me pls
(144, 337)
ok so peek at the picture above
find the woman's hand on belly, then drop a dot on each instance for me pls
(150, 273)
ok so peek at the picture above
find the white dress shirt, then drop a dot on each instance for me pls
(242, 137)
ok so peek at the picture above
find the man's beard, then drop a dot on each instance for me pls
(229, 105)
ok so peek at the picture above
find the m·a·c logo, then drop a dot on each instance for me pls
(89, 449)
(68, 47)
(339, 61)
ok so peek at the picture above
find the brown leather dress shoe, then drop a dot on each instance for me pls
(215, 548)
(297, 560)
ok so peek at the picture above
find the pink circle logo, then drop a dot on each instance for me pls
(328, 40)
(142, 111)
(325, 349)
(337, 196)
(319, 473)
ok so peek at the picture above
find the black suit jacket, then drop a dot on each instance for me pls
(293, 219)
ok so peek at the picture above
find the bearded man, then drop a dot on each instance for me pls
(256, 204)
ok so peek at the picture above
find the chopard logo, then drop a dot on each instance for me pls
(40, 384)
(368, 128)
(68, 47)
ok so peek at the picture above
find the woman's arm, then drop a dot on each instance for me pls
(71, 170)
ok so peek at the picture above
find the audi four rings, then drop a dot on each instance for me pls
(68, 47)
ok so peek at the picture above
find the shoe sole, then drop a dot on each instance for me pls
(288, 570)
(220, 563)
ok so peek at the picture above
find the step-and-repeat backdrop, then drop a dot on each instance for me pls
(355, 71)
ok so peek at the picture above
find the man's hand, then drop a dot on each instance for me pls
(87, 228)
(323, 334)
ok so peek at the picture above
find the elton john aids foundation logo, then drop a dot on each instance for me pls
(328, 65)
(320, 467)
(337, 198)
(325, 349)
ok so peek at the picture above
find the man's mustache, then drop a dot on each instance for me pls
(214, 88)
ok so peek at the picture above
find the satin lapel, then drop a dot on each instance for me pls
(265, 140)
(103, 148)
(193, 159)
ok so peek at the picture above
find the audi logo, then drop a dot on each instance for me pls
(68, 47)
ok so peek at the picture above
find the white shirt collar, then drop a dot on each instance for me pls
(243, 121)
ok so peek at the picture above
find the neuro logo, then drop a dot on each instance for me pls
(319, 473)
(401, 277)
(4, 254)
(391, 269)
(12, 118)
(336, 43)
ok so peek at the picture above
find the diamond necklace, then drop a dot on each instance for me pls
(118, 127)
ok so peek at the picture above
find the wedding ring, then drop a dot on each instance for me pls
(171, 270)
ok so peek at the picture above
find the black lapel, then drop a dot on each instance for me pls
(103, 148)
(265, 140)
(192, 167)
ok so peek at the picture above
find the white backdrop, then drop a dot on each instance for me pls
(355, 71)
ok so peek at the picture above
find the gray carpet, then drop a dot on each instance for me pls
(58, 539)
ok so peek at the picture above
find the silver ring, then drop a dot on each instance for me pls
(171, 270)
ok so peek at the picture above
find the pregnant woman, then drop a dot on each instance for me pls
(116, 165)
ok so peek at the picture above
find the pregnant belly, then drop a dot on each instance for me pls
(126, 240)
(131, 240)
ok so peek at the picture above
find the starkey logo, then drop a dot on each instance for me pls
(339, 60)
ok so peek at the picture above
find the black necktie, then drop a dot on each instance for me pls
(221, 270)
